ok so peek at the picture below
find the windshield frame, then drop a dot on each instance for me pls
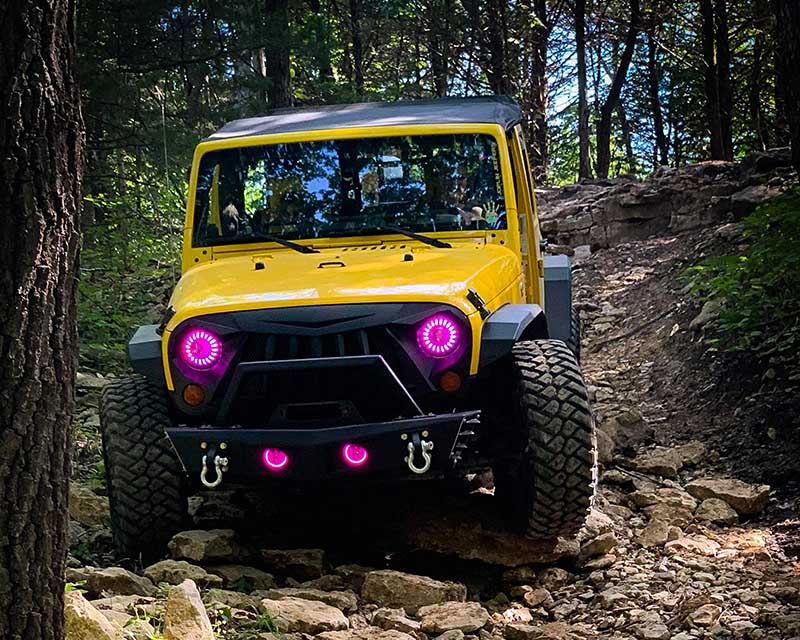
(510, 237)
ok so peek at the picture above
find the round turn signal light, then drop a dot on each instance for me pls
(193, 395)
(450, 381)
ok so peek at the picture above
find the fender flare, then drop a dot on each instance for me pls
(507, 326)
(144, 354)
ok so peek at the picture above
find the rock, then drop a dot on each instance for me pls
(185, 617)
(655, 534)
(387, 619)
(519, 575)
(693, 544)
(87, 508)
(605, 446)
(629, 429)
(705, 616)
(600, 562)
(553, 578)
(708, 313)
(660, 462)
(716, 511)
(611, 598)
(243, 577)
(304, 564)
(652, 632)
(304, 616)
(396, 589)
(671, 515)
(549, 631)
(745, 498)
(119, 581)
(465, 616)
(328, 582)
(540, 597)
(83, 622)
(177, 571)
(600, 545)
(671, 496)
(125, 604)
(469, 540)
(233, 599)
(203, 546)
(353, 575)
(369, 633)
(691, 453)
(453, 634)
(344, 600)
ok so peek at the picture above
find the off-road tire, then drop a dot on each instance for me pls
(146, 484)
(550, 490)
(575, 333)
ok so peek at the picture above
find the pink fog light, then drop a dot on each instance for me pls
(276, 459)
(201, 349)
(438, 335)
(354, 455)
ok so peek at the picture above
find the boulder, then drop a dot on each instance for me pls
(204, 546)
(655, 534)
(464, 616)
(233, 599)
(119, 581)
(716, 511)
(387, 618)
(708, 313)
(87, 508)
(599, 546)
(699, 545)
(185, 617)
(389, 588)
(670, 496)
(353, 575)
(659, 462)
(83, 622)
(304, 616)
(177, 571)
(368, 633)
(243, 577)
(746, 499)
(303, 564)
(344, 600)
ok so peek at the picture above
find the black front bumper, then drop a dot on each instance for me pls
(317, 453)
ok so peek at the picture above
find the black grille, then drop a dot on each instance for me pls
(275, 346)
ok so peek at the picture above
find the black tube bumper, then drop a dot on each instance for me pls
(318, 453)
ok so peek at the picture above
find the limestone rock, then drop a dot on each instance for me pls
(202, 546)
(600, 545)
(716, 511)
(243, 576)
(344, 600)
(708, 313)
(369, 633)
(652, 632)
(185, 617)
(553, 578)
(655, 534)
(304, 616)
(660, 462)
(87, 508)
(119, 581)
(540, 597)
(396, 619)
(397, 589)
(676, 516)
(745, 498)
(671, 496)
(699, 545)
(233, 599)
(353, 575)
(303, 564)
(464, 616)
(705, 616)
(177, 571)
(83, 622)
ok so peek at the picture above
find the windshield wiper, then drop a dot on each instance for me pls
(415, 236)
(286, 243)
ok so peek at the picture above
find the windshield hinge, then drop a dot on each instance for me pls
(477, 302)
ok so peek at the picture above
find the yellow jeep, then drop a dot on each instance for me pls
(364, 298)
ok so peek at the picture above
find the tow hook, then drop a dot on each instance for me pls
(425, 447)
(219, 463)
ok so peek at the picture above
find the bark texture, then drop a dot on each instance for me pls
(713, 107)
(585, 163)
(40, 167)
(279, 91)
(788, 19)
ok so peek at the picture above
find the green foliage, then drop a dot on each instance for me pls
(759, 289)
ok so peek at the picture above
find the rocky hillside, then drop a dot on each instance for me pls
(695, 529)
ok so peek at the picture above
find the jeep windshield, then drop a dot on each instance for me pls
(336, 188)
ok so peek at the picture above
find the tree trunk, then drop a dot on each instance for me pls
(439, 43)
(358, 46)
(756, 82)
(40, 195)
(610, 104)
(724, 76)
(276, 52)
(713, 108)
(585, 163)
(627, 139)
(653, 83)
(538, 99)
(788, 17)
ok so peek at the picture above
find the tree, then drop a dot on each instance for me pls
(788, 19)
(714, 109)
(40, 195)
(279, 92)
(654, 91)
(610, 103)
(585, 163)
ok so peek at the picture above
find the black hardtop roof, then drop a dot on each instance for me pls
(485, 110)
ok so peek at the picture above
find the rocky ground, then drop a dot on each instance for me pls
(694, 533)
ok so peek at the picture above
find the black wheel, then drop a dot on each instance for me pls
(550, 489)
(146, 484)
(575, 331)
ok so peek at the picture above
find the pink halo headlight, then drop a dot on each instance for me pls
(354, 455)
(438, 336)
(275, 459)
(201, 349)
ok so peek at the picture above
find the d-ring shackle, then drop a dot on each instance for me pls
(425, 449)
